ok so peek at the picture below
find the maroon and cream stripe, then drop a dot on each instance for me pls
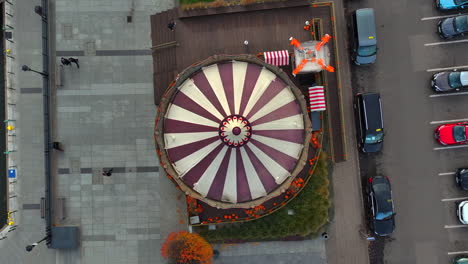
(217, 170)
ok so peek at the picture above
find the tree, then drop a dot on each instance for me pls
(186, 248)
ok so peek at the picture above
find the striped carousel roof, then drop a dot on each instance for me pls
(234, 131)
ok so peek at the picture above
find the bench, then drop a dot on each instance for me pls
(58, 75)
(60, 208)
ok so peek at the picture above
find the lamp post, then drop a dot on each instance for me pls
(33, 245)
(26, 68)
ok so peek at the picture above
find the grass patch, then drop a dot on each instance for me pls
(310, 208)
(201, 4)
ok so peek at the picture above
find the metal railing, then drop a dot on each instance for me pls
(46, 109)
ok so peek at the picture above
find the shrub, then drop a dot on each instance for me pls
(184, 247)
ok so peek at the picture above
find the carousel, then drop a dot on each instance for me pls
(233, 131)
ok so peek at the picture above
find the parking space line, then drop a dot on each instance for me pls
(447, 94)
(448, 121)
(446, 173)
(457, 252)
(437, 17)
(454, 199)
(446, 42)
(451, 147)
(455, 226)
(447, 68)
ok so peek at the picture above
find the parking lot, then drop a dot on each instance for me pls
(421, 170)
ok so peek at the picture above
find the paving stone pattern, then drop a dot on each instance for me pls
(105, 119)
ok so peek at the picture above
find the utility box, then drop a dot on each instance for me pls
(65, 237)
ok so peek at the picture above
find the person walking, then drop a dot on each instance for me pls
(108, 172)
(65, 61)
(74, 61)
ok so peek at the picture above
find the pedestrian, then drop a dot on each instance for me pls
(171, 25)
(65, 61)
(57, 145)
(74, 61)
(108, 172)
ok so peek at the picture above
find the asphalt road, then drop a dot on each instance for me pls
(427, 229)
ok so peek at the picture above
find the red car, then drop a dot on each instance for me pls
(452, 134)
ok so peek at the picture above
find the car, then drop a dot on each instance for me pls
(449, 81)
(381, 203)
(364, 39)
(462, 212)
(463, 259)
(453, 26)
(452, 134)
(451, 4)
(370, 125)
(461, 177)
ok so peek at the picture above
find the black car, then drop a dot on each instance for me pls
(453, 26)
(370, 125)
(381, 202)
(461, 177)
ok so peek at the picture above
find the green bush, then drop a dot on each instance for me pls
(310, 207)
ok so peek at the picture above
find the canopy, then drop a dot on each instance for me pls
(317, 98)
(277, 58)
(234, 132)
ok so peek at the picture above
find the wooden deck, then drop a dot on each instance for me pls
(267, 27)
(164, 54)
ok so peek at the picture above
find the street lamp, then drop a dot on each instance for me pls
(30, 247)
(26, 68)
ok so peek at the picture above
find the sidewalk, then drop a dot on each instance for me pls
(28, 142)
(105, 119)
(346, 245)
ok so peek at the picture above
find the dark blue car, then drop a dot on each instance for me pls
(381, 202)
(453, 26)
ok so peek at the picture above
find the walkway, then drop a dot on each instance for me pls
(105, 119)
(29, 141)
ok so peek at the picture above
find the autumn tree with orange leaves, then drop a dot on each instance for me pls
(186, 248)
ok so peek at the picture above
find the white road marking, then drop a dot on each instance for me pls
(451, 147)
(447, 68)
(437, 17)
(446, 42)
(447, 94)
(446, 173)
(457, 252)
(454, 199)
(455, 226)
(448, 121)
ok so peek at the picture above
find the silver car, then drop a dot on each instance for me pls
(449, 81)
(453, 26)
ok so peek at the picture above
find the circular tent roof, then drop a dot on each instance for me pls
(232, 131)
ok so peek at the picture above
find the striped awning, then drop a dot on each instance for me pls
(277, 58)
(317, 98)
